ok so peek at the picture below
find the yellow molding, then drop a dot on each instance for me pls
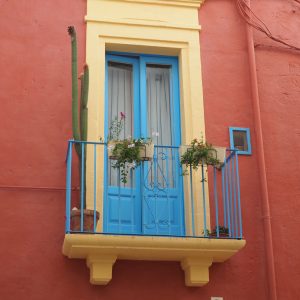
(195, 254)
(182, 3)
(144, 23)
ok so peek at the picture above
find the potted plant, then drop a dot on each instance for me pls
(127, 153)
(223, 231)
(80, 134)
(199, 153)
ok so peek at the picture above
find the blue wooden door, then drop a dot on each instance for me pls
(146, 89)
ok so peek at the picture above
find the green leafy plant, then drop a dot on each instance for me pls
(199, 153)
(206, 232)
(222, 230)
(127, 153)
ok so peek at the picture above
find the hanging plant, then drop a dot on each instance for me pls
(127, 153)
(199, 153)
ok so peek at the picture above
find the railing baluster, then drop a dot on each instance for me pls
(192, 200)
(95, 184)
(178, 184)
(204, 199)
(68, 188)
(227, 195)
(168, 186)
(234, 199)
(155, 161)
(106, 182)
(82, 185)
(223, 197)
(144, 179)
(131, 200)
(119, 200)
(216, 200)
(238, 195)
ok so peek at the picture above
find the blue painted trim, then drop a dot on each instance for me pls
(138, 55)
(247, 130)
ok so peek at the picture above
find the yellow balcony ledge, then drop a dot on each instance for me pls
(195, 254)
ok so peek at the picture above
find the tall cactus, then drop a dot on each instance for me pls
(79, 129)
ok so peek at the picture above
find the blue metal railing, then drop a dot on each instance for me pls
(167, 198)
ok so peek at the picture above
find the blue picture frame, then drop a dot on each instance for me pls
(232, 146)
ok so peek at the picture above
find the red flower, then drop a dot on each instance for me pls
(122, 115)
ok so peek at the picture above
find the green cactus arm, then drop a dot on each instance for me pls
(83, 103)
(75, 114)
(86, 85)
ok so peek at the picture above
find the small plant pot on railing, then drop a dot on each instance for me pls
(129, 153)
(112, 152)
(117, 149)
(221, 235)
(146, 151)
(200, 153)
(88, 220)
(219, 153)
(223, 232)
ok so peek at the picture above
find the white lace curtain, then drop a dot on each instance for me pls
(159, 120)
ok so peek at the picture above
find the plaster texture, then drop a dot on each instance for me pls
(35, 114)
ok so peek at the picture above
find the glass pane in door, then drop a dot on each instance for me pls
(160, 120)
(120, 99)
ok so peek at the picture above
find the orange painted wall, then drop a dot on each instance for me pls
(35, 114)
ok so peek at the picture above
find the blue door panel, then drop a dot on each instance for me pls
(122, 214)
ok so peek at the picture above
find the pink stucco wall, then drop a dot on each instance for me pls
(228, 102)
(279, 90)
(36, 123)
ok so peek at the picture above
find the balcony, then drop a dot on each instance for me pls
(158, 214)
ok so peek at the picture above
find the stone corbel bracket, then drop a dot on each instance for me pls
(195, 254)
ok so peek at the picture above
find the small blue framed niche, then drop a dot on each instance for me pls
(240, 140)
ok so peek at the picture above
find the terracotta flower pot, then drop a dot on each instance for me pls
(88, 220)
